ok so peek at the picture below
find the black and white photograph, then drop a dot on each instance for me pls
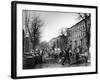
(53, 39)
(56, 39)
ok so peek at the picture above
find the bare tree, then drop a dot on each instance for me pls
(36, 25)
(63, 32)
(33, 23)
(83, 15)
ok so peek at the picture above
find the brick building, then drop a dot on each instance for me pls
(77, 34)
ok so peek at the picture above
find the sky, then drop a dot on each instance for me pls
(54, 22)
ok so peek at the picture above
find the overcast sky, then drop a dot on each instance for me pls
(54, 22)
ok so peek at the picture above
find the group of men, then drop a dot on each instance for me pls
(69, 56)
(66, 55)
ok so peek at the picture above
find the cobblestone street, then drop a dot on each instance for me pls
(56, 65)
(52, 63)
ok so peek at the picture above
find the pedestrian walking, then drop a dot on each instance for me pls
(66, 56)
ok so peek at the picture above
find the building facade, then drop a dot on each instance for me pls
(58, 42)
(77, 34)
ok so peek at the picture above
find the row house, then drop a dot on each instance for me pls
(77, 34)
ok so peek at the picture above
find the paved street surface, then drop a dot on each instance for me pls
(53, 64)
(56, 65)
